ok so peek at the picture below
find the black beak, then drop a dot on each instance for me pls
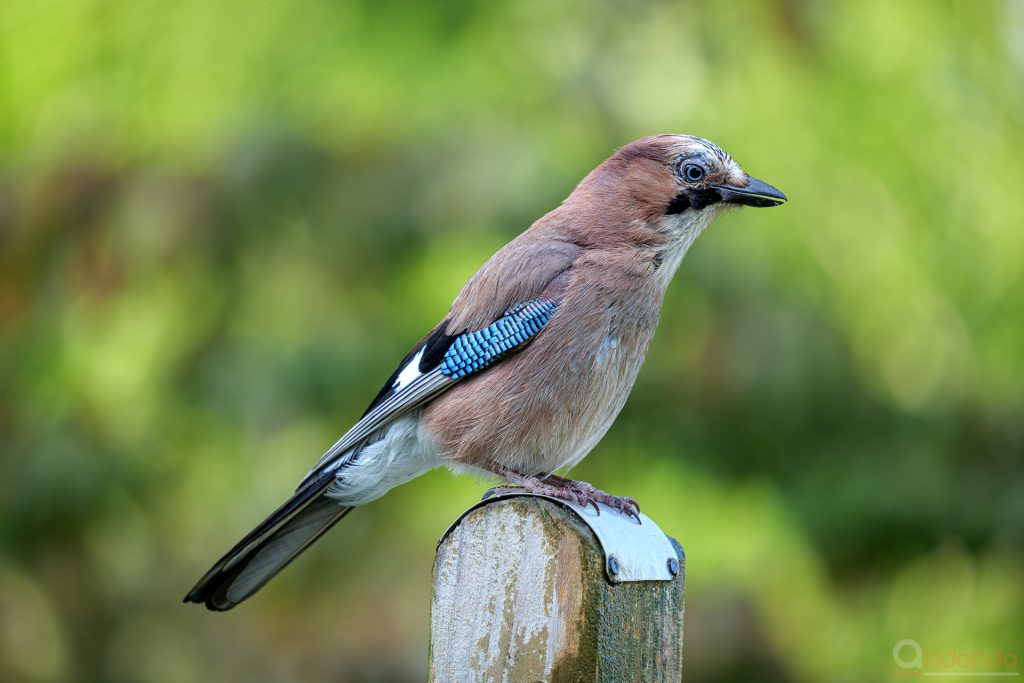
(756, 193)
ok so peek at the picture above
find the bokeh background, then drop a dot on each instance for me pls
(222, 224)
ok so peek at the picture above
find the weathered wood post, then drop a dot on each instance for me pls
(527, 588)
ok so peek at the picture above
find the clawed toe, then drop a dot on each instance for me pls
(578, 492)
(630, 507)
(626, 506)
(502, 490)
(585, 494)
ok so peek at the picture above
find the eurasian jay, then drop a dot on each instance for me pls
(532, 363)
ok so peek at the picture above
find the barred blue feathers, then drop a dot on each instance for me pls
(474, 351)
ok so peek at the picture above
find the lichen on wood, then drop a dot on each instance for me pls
(520, 594)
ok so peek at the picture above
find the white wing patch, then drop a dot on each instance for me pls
(410, 372)
(420, 389)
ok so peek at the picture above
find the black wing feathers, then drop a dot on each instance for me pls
(434, 346)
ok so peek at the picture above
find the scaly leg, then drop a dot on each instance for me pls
(623, 504)
(579, 492)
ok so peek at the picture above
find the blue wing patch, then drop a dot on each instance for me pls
(437, 363)
(474, 351)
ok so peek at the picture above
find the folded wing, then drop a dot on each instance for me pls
(434, 366)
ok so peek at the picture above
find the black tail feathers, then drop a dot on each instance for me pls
(268, 548)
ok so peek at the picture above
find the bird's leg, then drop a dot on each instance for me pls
(623, 504)
(523, 482)
(578, 492)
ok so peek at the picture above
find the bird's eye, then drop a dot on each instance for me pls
(693, 172)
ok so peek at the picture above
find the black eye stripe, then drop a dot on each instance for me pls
(695, 198)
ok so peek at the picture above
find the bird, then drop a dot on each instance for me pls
(532, 363)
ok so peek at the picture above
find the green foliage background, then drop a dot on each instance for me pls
(222, 224)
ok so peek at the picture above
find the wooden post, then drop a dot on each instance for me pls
(531, 589)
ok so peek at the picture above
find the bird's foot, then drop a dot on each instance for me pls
(579, 492)
(623, 504)
(539, 488)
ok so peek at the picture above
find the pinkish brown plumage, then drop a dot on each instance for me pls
(534, 360)
(599, 252)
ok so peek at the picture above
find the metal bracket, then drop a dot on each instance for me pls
(632, 551)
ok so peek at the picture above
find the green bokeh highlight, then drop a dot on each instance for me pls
(222, 224)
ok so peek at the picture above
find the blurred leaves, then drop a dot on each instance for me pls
(221, 224)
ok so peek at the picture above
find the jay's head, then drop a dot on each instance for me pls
(678, 176)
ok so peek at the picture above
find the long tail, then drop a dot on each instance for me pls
(268, 548)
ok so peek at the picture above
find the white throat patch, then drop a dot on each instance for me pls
(684, 227)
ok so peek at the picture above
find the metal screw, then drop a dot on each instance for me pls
(613, 565)
(673, 565)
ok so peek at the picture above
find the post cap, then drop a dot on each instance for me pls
(633, 551)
